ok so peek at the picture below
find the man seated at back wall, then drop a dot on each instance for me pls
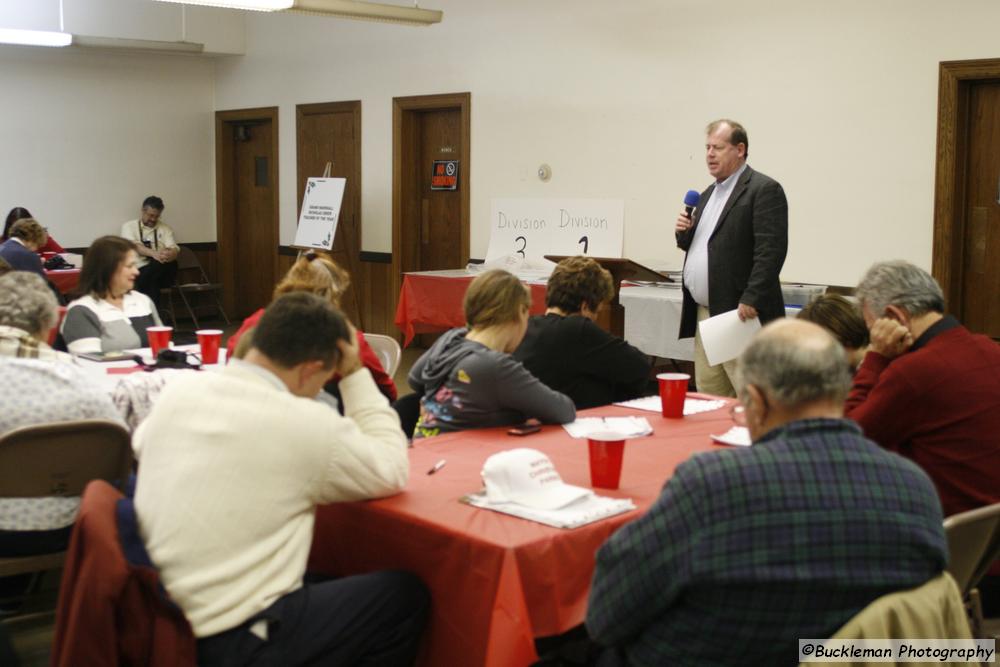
(154, 243)
(748, 549)
(231, 467)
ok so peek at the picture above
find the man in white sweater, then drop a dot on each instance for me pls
(231, 467)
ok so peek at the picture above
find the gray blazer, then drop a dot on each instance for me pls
(745, 252)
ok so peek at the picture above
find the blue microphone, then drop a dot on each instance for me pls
(690, 201)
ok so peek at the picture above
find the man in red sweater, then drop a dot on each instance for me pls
(929, 389)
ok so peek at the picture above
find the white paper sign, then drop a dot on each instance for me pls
(320, 212)
(533, 228)
(725, 336)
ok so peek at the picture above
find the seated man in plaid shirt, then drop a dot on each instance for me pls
(748, 550)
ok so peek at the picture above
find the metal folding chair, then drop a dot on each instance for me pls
(973, 547)
(188, 266)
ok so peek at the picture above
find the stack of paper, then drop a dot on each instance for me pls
(692, 406)
(630, 427)
(587, 509)
(737, 436)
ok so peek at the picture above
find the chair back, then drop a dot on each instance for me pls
(112, 609)
(930, 611)
(388, 351)
(188, 262)
(973, 544)
(59, 459)
(54, 332)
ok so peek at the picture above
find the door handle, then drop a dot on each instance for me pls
(425, 221)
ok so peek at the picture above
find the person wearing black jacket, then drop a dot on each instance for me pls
(568, 352)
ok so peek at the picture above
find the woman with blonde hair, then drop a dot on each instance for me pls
(317, 273)
(468, 378)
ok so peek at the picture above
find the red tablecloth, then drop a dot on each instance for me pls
(430, 303)
(497, 581)
(65, 280)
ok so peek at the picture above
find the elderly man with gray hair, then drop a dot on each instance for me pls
(37, 388)
(748, 549)
(929, 388)
(28, 312)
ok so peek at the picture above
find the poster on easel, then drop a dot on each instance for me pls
(320, 213)
(533, 228)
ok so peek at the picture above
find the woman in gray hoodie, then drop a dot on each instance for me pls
(468, 378)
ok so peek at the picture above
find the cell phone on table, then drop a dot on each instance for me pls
(524, 429)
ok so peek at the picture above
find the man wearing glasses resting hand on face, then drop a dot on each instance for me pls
(929, 389)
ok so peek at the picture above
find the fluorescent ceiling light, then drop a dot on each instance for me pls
(256, 5)
(348, 9)
(34, 37)
(136, 44)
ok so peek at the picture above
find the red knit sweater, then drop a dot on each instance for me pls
(938, 405)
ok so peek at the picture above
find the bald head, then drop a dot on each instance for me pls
(795, 364)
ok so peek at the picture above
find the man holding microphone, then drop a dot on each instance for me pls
(735, 239)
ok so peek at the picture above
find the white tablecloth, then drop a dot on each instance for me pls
(653, 317)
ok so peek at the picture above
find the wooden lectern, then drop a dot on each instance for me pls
(620, 269)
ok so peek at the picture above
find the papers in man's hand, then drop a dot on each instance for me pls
(587, 509)
(629, 427)
(692, 406)
(724, 336)
(737, 436)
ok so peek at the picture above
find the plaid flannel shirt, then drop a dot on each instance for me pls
(748, 550)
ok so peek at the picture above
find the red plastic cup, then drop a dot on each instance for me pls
(159, 338)
(673, 391)
(209, 340)
(606, 450)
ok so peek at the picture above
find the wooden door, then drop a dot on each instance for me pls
(981, 252)
(440, 211)
(967, 192)
(430, 228)
(325, 133)
(247, 206)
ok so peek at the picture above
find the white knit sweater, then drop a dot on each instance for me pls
(231, 467)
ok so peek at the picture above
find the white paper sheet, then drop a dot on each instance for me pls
(737, 436)
(631, 427)
(586, 510)
(724, 336)
(692, 406)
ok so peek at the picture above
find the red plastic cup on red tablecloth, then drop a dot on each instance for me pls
(209, 341)
(673, 391)
(159, 338)
(606, 451)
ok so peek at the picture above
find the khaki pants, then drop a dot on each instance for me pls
(718, 380)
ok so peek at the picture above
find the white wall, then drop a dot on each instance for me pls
(87, 137)
(839, 100)
(88, 134)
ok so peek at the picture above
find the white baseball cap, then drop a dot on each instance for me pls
(527, 477)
